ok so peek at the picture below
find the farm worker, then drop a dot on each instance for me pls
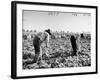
(48, 34)
(80, 37)
(73, 44)
(36, 44)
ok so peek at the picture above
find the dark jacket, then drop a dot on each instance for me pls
(36, 43)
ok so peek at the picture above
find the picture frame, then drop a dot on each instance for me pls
(54, 16)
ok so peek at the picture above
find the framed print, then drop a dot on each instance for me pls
(50, 39)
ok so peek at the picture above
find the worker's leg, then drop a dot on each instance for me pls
(37, 53)
(36, 57)
(41, 52)
(78, 45)
(74, 48)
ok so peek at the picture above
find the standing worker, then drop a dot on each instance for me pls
(74, 45)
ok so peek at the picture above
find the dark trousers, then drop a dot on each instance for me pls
(74, 45)
(37, 53)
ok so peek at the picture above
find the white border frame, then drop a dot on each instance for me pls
(36, 72)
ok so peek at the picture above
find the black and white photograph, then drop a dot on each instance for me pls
(54, 39)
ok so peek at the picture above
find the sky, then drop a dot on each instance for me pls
(56, 21)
